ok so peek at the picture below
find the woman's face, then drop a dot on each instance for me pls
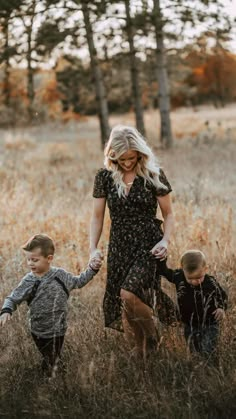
(128, 160)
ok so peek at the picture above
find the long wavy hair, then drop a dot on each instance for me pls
(122, 139)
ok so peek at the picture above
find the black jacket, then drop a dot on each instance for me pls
(196, 303)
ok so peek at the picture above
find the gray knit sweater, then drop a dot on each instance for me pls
(48, 309)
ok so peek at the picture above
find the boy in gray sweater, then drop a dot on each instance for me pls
(46, 290)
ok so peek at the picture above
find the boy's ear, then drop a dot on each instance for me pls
(50, 258)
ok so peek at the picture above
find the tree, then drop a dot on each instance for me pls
(121, 15)
(70, 80)
(25, 18)
(137, 99)
(7, 10)
(50, 36)
(212, 76)
(162, 78)
(88, 8)
(28, 22)
(212, 64)
(97, 74)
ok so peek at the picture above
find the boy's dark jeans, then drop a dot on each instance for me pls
(50, 349)
(202, 340)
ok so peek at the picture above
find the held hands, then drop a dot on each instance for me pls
(219, 314)
(159, 251)
(95, 260)
(4, 318)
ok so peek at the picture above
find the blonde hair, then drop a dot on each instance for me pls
(191, 260)
(122, 139)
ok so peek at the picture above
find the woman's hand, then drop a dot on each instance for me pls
(95, 260)
(96, 254)
(95, 264)
(160, 249)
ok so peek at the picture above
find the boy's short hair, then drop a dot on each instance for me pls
(191, 260)
(44, 242)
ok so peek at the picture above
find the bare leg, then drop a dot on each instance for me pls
(133, 334)
(139, 318)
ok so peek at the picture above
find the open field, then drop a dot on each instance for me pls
(46, 177)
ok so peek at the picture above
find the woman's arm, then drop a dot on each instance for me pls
(167, 214)
(99, 205)
(160, 249)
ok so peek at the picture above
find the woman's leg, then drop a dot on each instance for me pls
(133, 333)
(139, 318)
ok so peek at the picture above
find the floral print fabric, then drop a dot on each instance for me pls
(134, 231)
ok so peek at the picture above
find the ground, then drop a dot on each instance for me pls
(46, 176)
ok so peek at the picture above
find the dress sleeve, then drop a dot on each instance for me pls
(163, 179)
(99, 187)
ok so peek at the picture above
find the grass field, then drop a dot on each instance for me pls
(46, 177)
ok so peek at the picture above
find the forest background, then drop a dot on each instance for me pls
(67, 59)
(69, 71)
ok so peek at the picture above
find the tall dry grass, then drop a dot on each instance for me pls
(46, 187)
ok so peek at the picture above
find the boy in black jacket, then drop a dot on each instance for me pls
(202, 302)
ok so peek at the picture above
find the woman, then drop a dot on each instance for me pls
(133, 185)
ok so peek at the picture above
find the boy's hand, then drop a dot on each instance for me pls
(219, 314)
(95, 263)
(5, 317)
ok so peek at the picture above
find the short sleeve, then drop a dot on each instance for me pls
(99, 187)
(163, 179)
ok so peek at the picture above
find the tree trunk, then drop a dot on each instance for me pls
(162, 78)
(218, 71)
(30, 70)
(218, 82)
(137, 99)
(30, 75)
(6, 86)
(97, 74)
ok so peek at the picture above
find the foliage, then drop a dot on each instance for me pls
(213, 75)
(7, 7)
(49, 36)
(39, 34)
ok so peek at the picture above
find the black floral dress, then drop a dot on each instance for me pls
(134, 232)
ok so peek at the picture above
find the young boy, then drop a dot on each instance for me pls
(46, 290)
(202, 302)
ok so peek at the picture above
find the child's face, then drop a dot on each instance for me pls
(38, 263)
(196, 277)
